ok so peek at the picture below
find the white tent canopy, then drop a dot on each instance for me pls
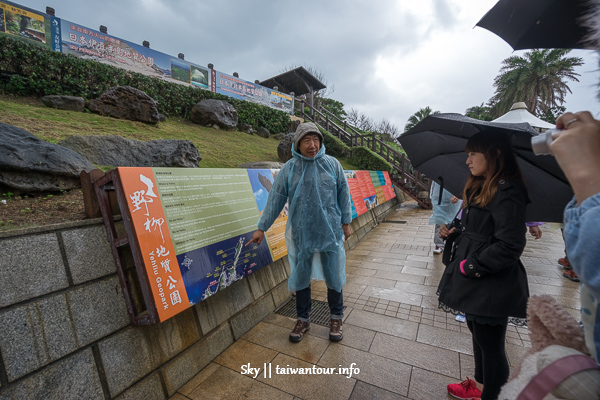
(518, 113)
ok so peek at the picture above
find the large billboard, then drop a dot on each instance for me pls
(83, 42)
(192, 226)
(75, 39)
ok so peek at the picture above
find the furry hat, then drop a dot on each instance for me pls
(554, 334)
(303, 130)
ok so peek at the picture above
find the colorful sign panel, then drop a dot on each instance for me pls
(25, 23)
(368, 189)
(192, 226)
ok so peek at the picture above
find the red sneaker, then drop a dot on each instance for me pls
(564, 262)
(466, 390)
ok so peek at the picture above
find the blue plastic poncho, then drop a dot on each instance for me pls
(445, 212)
(319, 203)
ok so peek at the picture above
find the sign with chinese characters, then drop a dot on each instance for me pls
(243, 90)
(80, 41)
(192, 225)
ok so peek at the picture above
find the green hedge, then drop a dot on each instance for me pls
(367, 159)
(28, 69)
(335, 147)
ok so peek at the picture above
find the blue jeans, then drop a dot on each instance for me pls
(304, 302)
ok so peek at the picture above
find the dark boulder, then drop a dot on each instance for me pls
(29, 164)
(263, 132)
(284, 149)
(126, 102)
(246, 128)
(70, 103)
(118, 151)
(294, 125)
(215, 112)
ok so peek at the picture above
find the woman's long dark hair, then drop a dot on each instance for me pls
(501, 165)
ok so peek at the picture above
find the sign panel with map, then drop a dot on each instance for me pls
(192, 226)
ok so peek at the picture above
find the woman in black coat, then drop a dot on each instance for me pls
(484, 277)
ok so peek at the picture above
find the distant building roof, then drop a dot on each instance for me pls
(518, 113)
(298, 80)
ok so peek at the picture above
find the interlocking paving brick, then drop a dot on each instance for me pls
(401, 323)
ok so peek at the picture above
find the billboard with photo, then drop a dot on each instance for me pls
(25, 23)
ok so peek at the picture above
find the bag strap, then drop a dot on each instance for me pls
(552, 375)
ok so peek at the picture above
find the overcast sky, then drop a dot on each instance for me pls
(385, 58)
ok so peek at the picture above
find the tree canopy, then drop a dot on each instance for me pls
(539, 79)
(418, 117)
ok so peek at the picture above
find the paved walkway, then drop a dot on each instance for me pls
(397, 344)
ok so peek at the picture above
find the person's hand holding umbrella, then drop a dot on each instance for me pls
(577, 151)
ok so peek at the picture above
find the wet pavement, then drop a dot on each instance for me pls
(397, 344)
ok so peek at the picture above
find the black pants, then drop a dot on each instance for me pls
(491, 364)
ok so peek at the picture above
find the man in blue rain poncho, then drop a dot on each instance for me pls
(315, 186)
(445, 208)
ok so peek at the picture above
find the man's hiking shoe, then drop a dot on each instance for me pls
(335, 330)
(466, 390)
(298, 332)
(570, 274)
(565, 263)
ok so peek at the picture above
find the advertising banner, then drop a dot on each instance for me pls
(72, 38)
(243, 90)
(25, 23)
(192, 225)
(80, 41)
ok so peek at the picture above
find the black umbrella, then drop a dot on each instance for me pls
(436, 147)
(539, 24)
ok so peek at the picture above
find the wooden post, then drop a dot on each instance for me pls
(92, 209)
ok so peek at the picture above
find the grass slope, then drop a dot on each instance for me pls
(218, 148)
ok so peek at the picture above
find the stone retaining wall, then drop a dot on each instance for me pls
(65, 332)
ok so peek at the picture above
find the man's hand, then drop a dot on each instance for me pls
(347, 231)
(444, 232)
(257, 237)
(535, 231)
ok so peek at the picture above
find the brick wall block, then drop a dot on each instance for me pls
(186, 366)
(251, 316)
(74, 378)
(35, 334)
(219, 307)
(88, 253)
(98, 309)
(30, 267)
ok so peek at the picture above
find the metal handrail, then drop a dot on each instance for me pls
(404, 176)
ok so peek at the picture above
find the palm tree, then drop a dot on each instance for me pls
(479, 112)
(539, 79)
(418, 117)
